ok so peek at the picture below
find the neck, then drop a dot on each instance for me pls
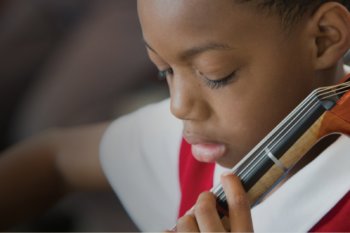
(340, 72)
(330, 76)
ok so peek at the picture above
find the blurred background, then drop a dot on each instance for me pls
(67, 63)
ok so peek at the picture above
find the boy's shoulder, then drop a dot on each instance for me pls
(308, 195)
(139, 154)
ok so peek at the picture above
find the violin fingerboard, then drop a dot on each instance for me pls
(272, 177)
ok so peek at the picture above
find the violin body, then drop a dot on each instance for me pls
(325, 130)
(311, 127)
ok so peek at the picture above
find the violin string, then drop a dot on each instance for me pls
(287, 129)
(320, 95)
(343, 90)
(257, 156)
(220, 193)
(312, 97)
(295, 114)
(262, 156)
(333, 93)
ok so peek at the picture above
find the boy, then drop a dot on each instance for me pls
(234, 69)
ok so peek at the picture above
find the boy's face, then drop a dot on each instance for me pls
(234, 72)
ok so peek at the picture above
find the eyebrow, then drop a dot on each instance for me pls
(197, 49)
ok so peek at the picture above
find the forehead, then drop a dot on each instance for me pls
(186, 9)
(176, 21)
(178, 12)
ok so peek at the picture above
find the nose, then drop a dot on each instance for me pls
(187, 101)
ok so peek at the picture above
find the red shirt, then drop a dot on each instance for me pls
(197, 177)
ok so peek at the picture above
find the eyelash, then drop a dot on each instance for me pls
(212, 84)
(216, 84)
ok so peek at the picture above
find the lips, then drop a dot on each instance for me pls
(206, 151)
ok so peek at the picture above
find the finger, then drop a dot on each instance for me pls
(226, 223)
(206, 214)
(187, 223)
(238, 203)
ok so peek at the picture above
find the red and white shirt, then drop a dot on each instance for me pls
(147, 164)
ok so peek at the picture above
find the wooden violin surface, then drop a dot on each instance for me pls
(324, 112)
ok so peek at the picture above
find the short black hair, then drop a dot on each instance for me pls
(292, 10)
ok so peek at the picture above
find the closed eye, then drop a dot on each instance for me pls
(216, 84)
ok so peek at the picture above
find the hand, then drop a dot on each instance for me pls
(205, 218)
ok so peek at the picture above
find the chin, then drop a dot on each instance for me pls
(227, 161)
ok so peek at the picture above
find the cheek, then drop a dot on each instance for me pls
(254, 108)
(241, 123)
(241, 126)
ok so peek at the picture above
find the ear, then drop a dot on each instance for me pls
(331, 34)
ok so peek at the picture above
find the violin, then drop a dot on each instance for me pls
(320, 117)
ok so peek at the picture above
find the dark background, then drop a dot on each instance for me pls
(67, 63)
